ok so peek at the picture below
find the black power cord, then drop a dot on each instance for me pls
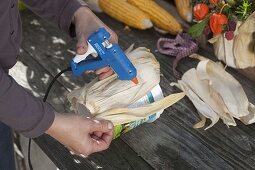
(44, 100)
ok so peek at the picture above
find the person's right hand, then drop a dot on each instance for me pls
(86, 23)
(81, 135)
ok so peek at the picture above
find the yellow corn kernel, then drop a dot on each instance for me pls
(126, 13)
(159, 16)
(184, 9)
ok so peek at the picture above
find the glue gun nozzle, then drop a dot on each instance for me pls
(135, 80)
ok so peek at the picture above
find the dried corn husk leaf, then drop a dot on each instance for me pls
(244, 43)
(110, 98)
(201, 123)
(124, 115)
(226, 85)
(223, 48)
(201, 106)
(203, 90)
(250, 118)
(216, 94)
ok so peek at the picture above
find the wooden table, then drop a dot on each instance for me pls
(168, 143)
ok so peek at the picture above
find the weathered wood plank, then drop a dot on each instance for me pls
(119, 156)
(103, 160)
(249, 72)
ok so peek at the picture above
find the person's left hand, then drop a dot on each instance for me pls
(81, 135)
(86, 23)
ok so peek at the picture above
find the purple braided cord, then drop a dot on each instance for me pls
(182, 46)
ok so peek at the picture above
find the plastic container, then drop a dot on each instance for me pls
(152, 96)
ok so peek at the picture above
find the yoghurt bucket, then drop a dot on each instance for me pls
(152, 96)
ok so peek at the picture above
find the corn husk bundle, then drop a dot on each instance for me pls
(216, 94)
(239, 52)
(139, 14)
(184, 8)
(109, 98)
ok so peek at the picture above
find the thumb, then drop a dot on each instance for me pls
(101, 126)
(81, 47)
(114, 36)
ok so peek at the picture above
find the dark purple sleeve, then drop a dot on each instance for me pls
(21, 110)
(59, 12)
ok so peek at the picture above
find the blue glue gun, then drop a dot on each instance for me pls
(105, 54)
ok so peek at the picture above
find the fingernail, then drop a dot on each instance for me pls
(110, 126)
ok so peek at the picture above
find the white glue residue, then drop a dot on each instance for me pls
(35, 22)
(56, 40)
(58, 52)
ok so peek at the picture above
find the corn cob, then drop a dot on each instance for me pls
(184, 9)
(159, 16)
(126, 13)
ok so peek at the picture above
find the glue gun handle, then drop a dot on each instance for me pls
(87, 65)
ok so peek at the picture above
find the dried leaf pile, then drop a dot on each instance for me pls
(216, 94)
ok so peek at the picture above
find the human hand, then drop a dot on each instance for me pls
(81, 135)
(86, 23)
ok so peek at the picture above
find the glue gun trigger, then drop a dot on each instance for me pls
(78, 58)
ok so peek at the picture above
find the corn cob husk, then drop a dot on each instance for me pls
(184, 9)
(126, 13)
(216, 94)
(124, 115)
(99, 96)
(159, 16)
(110, 98)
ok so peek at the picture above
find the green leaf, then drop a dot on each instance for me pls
(197, 29)
(245, 9)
